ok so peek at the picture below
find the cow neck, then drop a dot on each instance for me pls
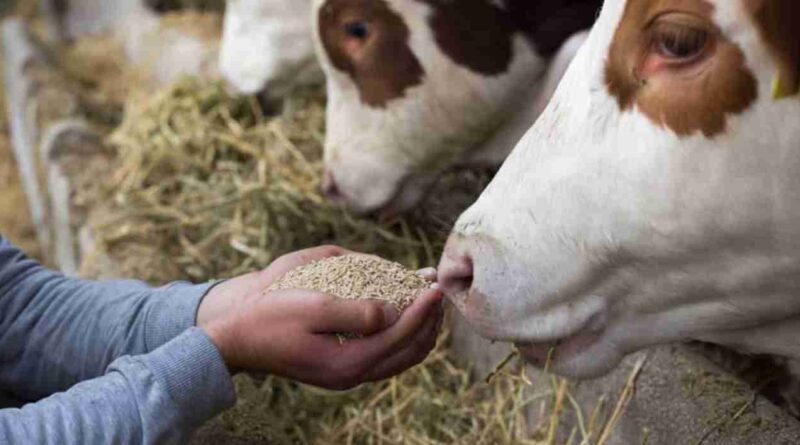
(498, 146)
(494, 150)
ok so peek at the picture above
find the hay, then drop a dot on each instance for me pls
(99, 65)
(432, 404)
(205, 186)
(435, 403)
(356, 277)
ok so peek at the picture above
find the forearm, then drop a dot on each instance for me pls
(57, 331)
(159, 398)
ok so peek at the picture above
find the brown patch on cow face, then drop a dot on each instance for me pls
(549, 23)
(778, 22)
(670, 61)
(478, 34)
(473, 33)
(369, 41)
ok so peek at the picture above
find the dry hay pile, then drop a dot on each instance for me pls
(435, 403)
(105, 77)
(205, 186)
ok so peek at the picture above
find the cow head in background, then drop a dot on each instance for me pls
(163, 47)
(267, 46)
(657, 197)
(416, 86)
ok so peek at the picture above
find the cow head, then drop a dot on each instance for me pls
(414, 86)
(656, 198)
(267, 46)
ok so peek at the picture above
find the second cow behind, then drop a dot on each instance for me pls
(414, 86)
(418, 86)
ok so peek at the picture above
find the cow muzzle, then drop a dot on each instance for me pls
(383, 197)
(499, 297)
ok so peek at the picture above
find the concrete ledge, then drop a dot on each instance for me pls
(680, 398)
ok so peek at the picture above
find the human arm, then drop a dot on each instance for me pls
(56, 331)
(156, 398)
(160, 397)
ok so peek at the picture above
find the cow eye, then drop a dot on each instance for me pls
(680, 42)
(357, 30)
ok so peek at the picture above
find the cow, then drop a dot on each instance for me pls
(416, 87)
(656, 198)
(267, 46)
(163, 47)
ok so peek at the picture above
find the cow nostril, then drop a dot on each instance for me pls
(456, 275)
(329, 187)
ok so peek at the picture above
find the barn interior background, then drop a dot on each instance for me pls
(140, 163)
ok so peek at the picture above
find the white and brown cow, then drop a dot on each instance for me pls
(417, 86)
(267, 46)
(656, 199)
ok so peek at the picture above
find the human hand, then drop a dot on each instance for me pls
(291, 333)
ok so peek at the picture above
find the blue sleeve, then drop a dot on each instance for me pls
(157, 398)
(57, 331)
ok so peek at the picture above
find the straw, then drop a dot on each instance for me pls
(214, 189)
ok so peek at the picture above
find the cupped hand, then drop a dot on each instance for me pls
(291, 333)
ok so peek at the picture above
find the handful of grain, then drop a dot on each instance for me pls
(357, 277)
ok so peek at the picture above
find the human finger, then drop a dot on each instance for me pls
(336, 315)
(429, 273)
(410, 356)
(377, 347)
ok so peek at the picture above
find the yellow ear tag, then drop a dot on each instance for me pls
(780, 89)
(778, 92)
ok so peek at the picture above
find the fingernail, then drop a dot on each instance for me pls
(429, 273)
(390, 314)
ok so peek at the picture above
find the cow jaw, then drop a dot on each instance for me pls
(618, 224)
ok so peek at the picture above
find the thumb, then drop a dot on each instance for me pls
(365, 317)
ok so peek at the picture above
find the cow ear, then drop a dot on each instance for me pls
(455, 26)
(779, 25)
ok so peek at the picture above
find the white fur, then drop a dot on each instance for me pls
(173, 54)
(98, 16)
(267, 44)
(161, 52)
(601, 222)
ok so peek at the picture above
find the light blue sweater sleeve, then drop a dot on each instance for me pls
(157, 398)
(123, 359)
